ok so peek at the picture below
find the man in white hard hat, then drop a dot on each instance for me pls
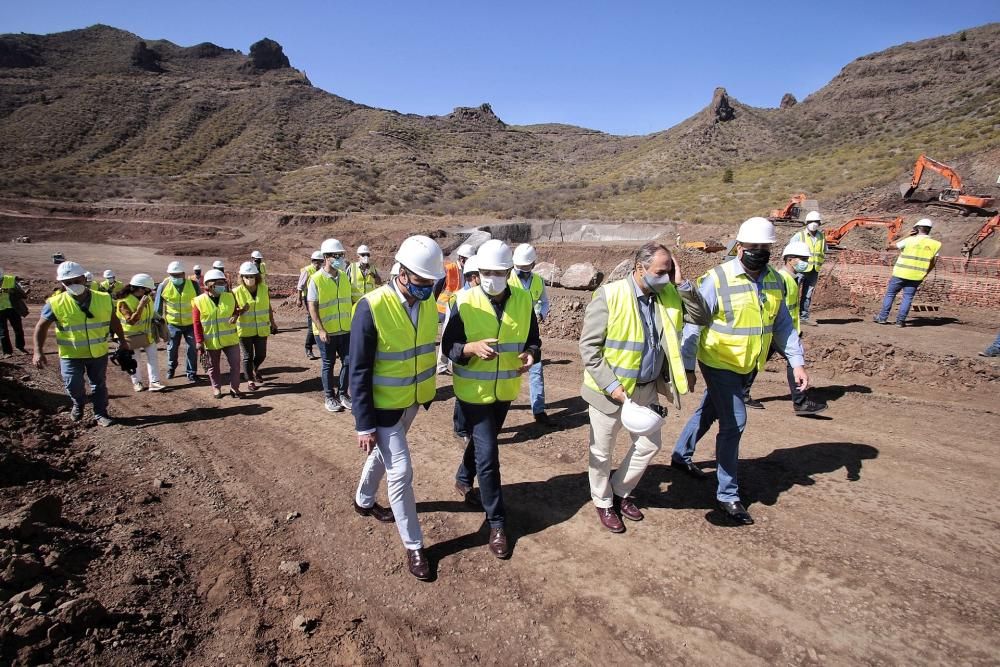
(525, 278)
(83, 319)
(196, 269)
(748, 309)
(173, 303)
(110, 285)
(492, 340)
(795, 260)
(257, 257)
(446, 288)
(328, 296)
(307, 271)
(219, 265)
(815, 240)
(917, 256)
(12, 295)
(630, 346)
(393, 337)
(363, 275)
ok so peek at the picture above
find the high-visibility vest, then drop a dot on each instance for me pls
(534, 289)
(262, 268)
(452, 283)
(110, 287)
(914, 259)
(216, 330)
(625, 337)
(817, 248)
(177, 303)
(791, 296)
(739, 336)
(361, 283)
(144, 325)
(309, 271)
(6, 285)
(77, 335)
(405, 357)
(481, 381)
(334, 303)
(256, 320)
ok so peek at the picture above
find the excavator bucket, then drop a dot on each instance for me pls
(906, 190)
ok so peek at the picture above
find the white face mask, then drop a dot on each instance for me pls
(76, 289)
(492, 285)
(363, 259)
(812, 226)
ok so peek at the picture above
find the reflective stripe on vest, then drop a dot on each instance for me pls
(216, 329)
(487, 381)
(817, 248)
(257, 320)
(405, 358)
(534, 287)
(791, 297)
(914, 260)
(361, 283)
(6, 285)
(144, 325)
(79, 336)
(334, 303)
(739, 336)
(452, 283)
(177, 303)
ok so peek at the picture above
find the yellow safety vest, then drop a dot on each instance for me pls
(481, 381)
(625, 337)
(334, 303)
(256, 321)
(177, 303)
(739, 336)
(216, 329)
(79, 336)
(534, 289)
(6, 285)
(361, 284)
(791, 296)
(310, 270)
(143, 325)
(263, 270)
(817, 248)
(914, 259)
(405, 357)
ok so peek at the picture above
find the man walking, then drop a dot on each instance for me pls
(257, 257)
(329, 297)
(11, 291)
(446, 288)
(110, 284)
(364, 277)
(917, 256)
(173, 301)
(815, 240)
(305, 274)
(525, 278)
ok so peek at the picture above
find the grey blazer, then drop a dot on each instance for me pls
(595, 325)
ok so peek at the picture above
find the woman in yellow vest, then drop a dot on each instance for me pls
(492, 340)
(256, 322)
(215, 313)
(916, 259)
(134, 305)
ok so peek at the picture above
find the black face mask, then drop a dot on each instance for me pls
(755, 260)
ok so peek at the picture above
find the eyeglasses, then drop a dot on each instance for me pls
(364, 254)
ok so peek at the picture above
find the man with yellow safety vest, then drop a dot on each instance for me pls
(392, 358)
(215, 313)
(630, 346)
(12, 295)
(749, 312)
(83, 319)
(446, 288)
(470, 275)
(307, 271)
(492, 340)
(257, 259)
(329, 297)
(916, 259)
(110, 284)
(815, 240)
(135, 310)
(256, 322)
(363, 275)
(173, 303)
(524, 277)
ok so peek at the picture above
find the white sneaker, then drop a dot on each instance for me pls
(333, 405)
(345, 402)
(104, 421)
(156, 386)
(137, 387)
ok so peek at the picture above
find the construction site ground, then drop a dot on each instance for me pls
(875, 542)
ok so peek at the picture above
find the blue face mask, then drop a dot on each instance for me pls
(219, 289)
(801, 266)
(338, 264)
(177, 281)
(420, 292)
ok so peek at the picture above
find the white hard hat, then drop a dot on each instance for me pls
(249, 269)
(331, 246)
(142, 280)
(317, 255)
(363, 250)
(423, 256)
(395, 269)
(257, 254)
(109, 273)
(175, 267)
(640, 420)
(756, 230)
(813, 216)
(214, 274)
(924, 222)
(796, 249)
(471, 266)
(196, 267)
(89, 276)
(494, 255)
(217, 264)
(524, 254)
(465, 250)
(69, 270)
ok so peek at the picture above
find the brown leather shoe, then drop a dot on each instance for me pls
(610, 520)
(416, 561)
(376, 511)
(628, 509)
(469, 495)
(498, 543)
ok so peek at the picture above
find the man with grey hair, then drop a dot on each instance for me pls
(630, 347)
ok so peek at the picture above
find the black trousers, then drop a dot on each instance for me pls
(12, 316)
(254, 353)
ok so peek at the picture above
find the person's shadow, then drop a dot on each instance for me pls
(566, 414)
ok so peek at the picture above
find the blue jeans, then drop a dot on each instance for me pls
(174, 348)
(536, 385)
(995, 347)
(722, 402)
(96, 370)
(806, 289)
(482, 456)
(909, 288)
(798, 396)
(337, 346)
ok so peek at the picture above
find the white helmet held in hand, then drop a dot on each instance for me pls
(142, 280)
(175, 267)
(214, 274)
(423, 256)
(494, 255)
(69, 271)
(249, 269)
(256, 254)
(756, 230)
(109, 274)
(218, 265)
(640, 420)
(465, 250)
(796, 249)
(524, 255)
(331, 246)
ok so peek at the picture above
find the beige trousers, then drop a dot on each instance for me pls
(603, 433)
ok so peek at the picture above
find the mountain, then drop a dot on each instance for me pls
(100, 113)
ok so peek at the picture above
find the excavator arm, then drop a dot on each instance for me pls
(992, 225)
(787, 211)
(924, 162)
(893, 225)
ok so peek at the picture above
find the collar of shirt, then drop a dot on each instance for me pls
(639, 294)
(411, 310)
(332, 276)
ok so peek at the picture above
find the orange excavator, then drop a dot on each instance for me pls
(794, 212)
(894, 225)
(971, 243)
(952, 197)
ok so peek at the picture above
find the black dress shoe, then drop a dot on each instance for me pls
(543, 419)
(688, 468)
(737, 513)
(753, 403)
(810, 408)
(416, 562)
(376, 511)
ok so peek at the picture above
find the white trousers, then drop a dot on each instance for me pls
(603, 433)
(152, 364)
(391, 459)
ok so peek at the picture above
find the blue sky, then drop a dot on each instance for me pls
(621, 67)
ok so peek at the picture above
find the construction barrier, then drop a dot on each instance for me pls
(954, 280)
